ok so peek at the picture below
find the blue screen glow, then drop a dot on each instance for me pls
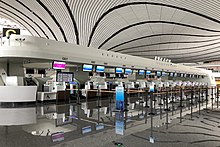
(175, 74)
(128, 71)
(158, 73)
(148, 72)
(163, 74)
(87, 67)
(100, 68)
(118, 70)
(141, 72)
(171, 74)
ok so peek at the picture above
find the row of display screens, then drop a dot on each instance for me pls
(98, 68)
(119, 70)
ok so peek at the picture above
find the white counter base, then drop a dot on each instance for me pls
(43, 96)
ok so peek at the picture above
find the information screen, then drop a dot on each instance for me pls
(65, 77)
(59, 65)
(148, 72)
(158, 73)
(175, 74)
(87, 67)
(128, 71)
(100, 68)
(141, 72)
(118, 70)
(171, 74)
(29, 70)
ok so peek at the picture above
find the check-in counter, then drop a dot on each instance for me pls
(18, 93)
(42, 96)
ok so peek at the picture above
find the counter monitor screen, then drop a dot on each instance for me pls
(87, 67)
(141, 72)
(59, 65)
(100, 68)
(64, 76)
(158, 73)
(175, 74)
(29, 70)
(118, 70)
(148, 72)
(128, 71)
(163, 74)
(41, 71)
(171, 74)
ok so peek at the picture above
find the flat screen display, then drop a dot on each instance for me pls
(64, 76)
(141, 72)
(128, 71)
(181, 75)
(148, 72)
(59, 65)
(41, 71)
(158, 73)
(100, 68)
(118, 70)
(29, 70)
(163, 74)
(175, 74)
(87, 67)
(171, 74)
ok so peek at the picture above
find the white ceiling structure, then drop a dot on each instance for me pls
(180, 30)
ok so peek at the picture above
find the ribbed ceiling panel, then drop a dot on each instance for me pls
(182, 30)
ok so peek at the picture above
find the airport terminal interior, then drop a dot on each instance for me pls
(106, 73)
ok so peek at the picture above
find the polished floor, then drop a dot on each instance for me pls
(74, 125)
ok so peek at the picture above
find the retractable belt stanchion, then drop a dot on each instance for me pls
(154, 101)
(160, 104)
(217, 88)
(212, 97)
(172, 95)
(126, 108)
(196, 96)
(191, 104)
(202, 96)
(142, 104)
(151, 114)
(98, 105)
(199, 100)
(181, 105)
(167, 109)
(206, 97)
(146, 105)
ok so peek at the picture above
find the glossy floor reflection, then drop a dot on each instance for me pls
(86, 124)
(37, 124)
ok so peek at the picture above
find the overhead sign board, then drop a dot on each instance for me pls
(8, 31)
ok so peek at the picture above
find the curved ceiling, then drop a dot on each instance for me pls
(181, 30)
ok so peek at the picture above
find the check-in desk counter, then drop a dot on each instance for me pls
(133, 95)
(43, 96)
